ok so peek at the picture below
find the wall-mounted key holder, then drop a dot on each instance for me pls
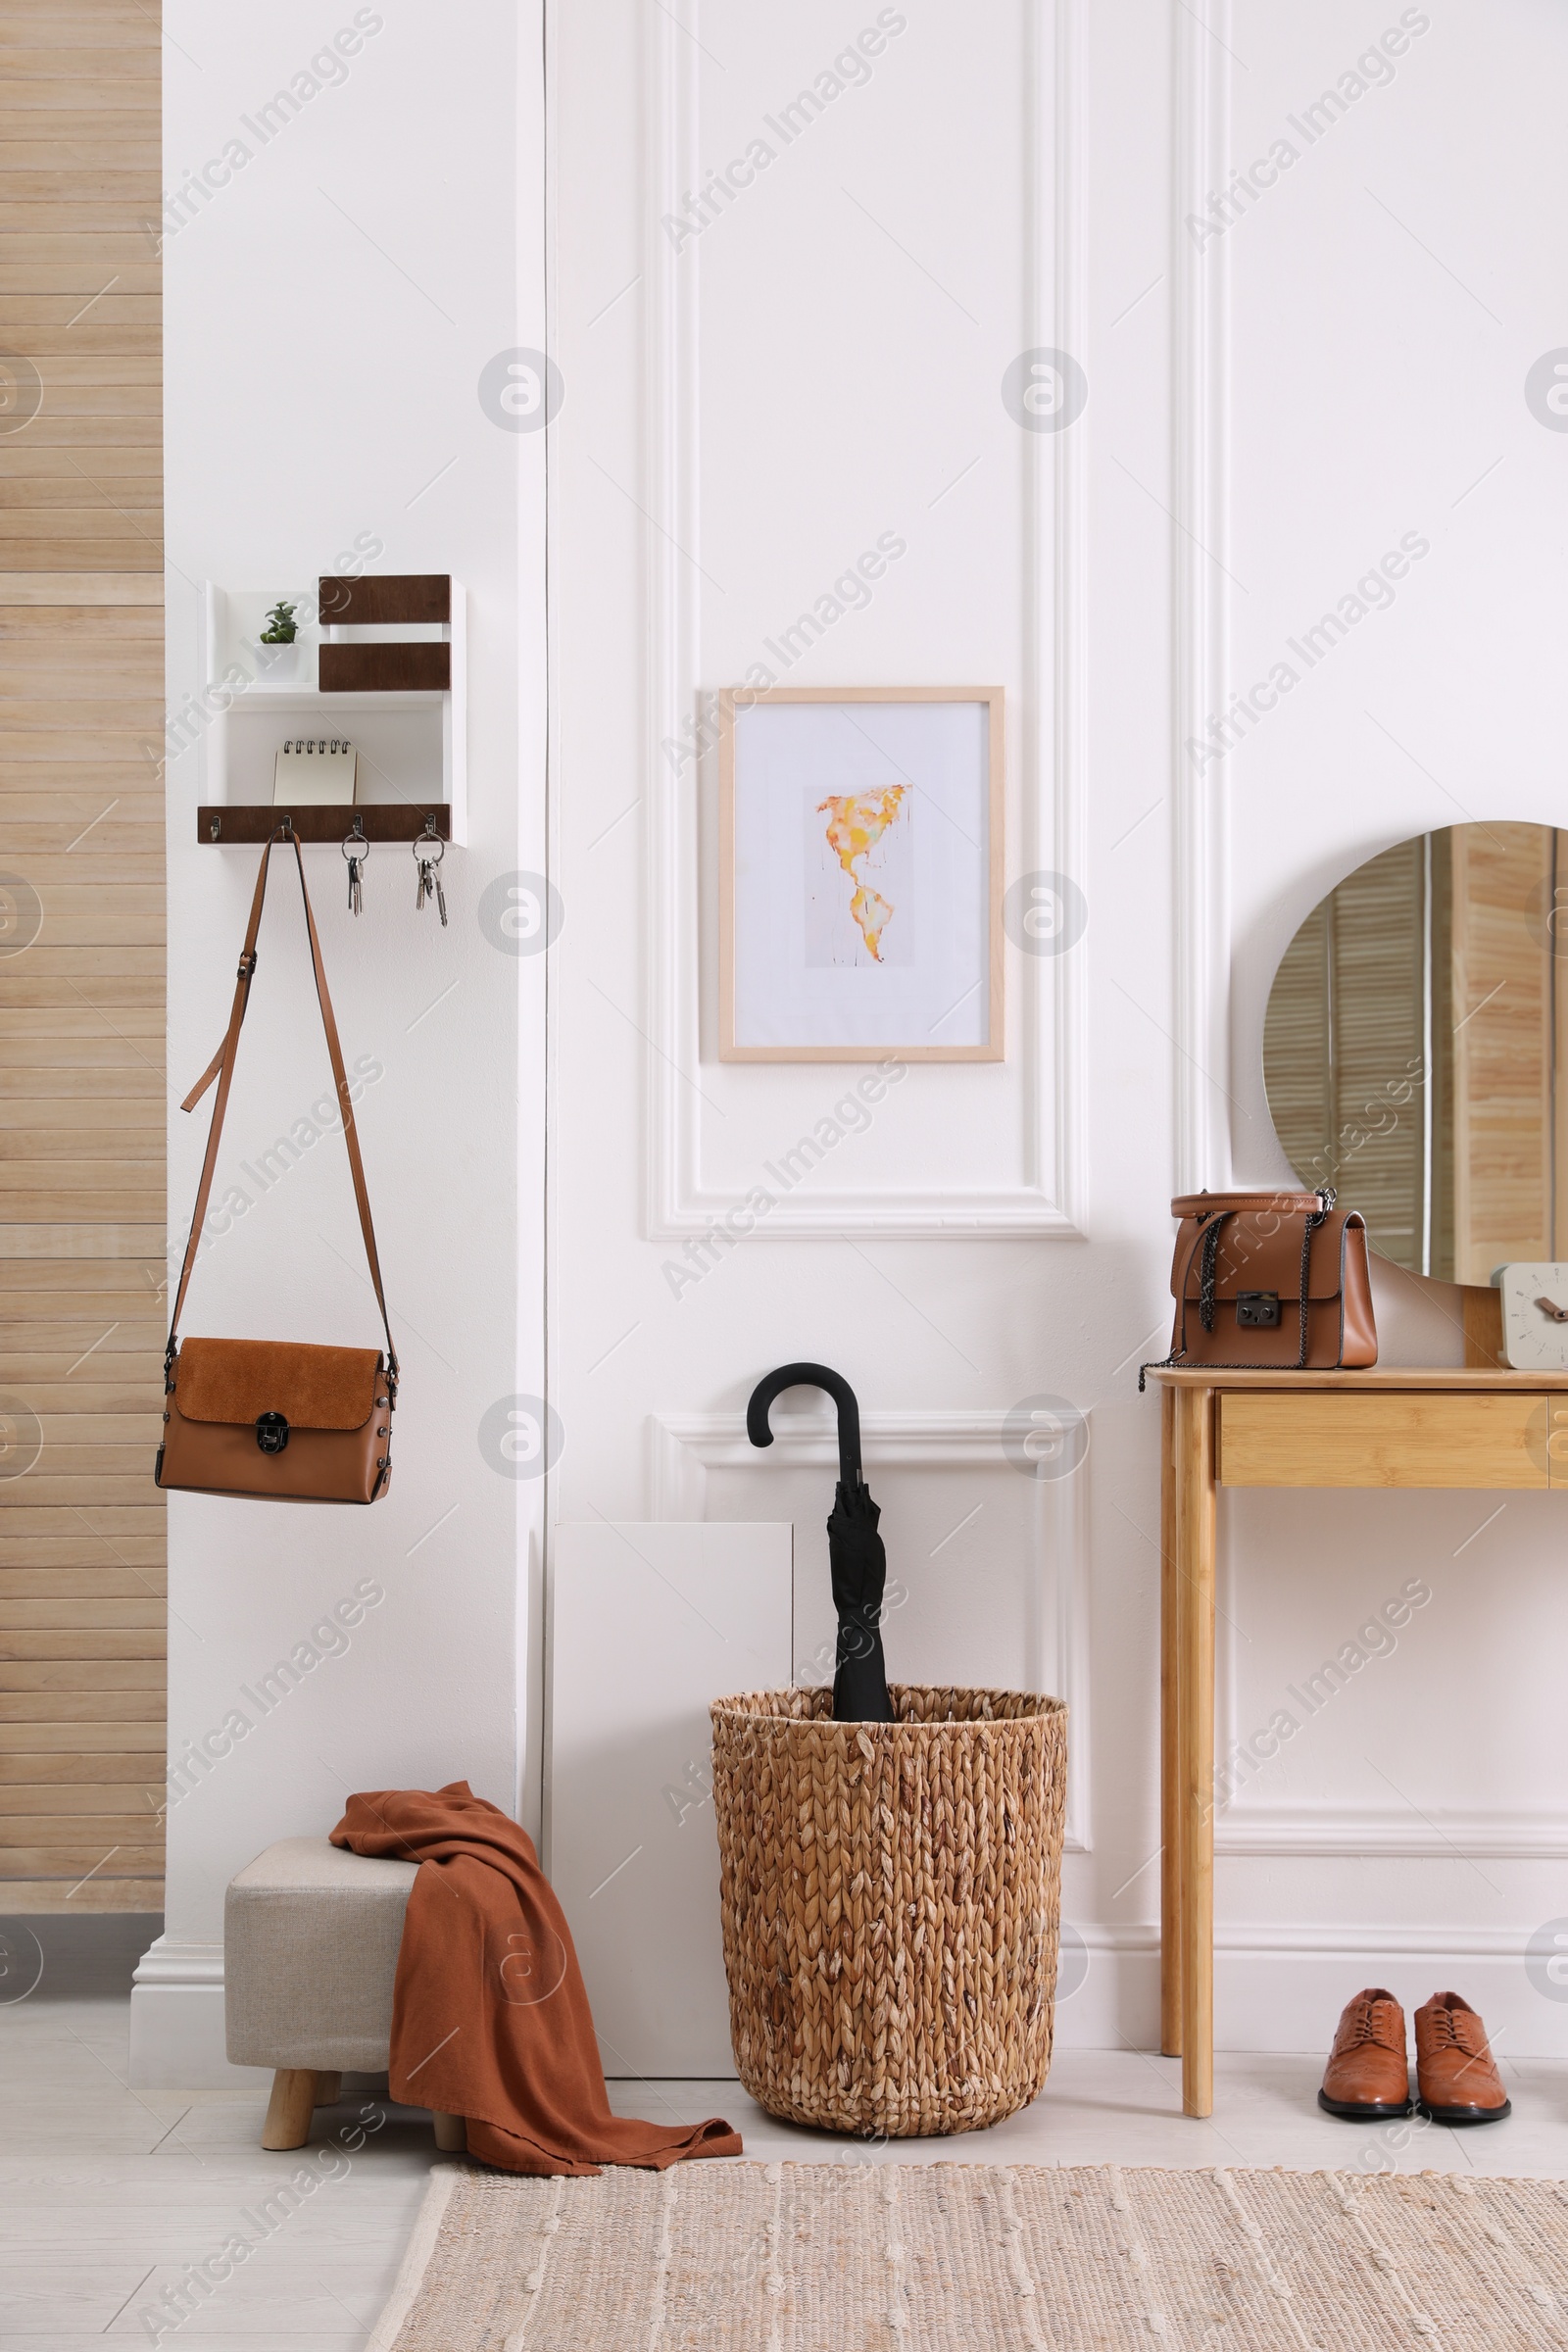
(383, 674)
(229, 826)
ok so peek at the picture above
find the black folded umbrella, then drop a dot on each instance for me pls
(856, 1555)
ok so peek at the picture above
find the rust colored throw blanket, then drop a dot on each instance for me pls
(490, 2017)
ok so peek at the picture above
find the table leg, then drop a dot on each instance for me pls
(1170, 1911)
(1195, 1592)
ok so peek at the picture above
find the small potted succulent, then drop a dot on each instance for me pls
(278, 648)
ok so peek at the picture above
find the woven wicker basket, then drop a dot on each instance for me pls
(891, 1899)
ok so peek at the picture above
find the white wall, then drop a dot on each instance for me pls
(1387, 298)
(1270, 410)
(329, 315)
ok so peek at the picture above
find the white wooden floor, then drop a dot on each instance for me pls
(107, 2193)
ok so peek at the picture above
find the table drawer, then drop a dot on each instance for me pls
(1408, 1437)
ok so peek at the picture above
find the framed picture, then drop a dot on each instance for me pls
(860, 874)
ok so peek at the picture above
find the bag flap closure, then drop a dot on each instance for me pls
(1261, 1250)
(313, 1388)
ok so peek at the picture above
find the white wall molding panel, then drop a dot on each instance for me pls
(1341, 1830)
(1200, 580)
(1032, 1183)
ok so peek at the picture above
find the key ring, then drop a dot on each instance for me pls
(354, 845)
(429, 849)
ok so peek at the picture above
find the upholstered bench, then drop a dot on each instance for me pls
(311, 1937)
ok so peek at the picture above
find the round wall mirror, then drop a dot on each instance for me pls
(1415, 1049)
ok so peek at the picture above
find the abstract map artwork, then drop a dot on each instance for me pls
(862, 832)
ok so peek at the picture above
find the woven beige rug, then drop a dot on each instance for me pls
(742, 2257)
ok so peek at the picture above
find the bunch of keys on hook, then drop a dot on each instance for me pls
(428, 852)
(356, 849)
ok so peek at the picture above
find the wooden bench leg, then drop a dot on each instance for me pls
(451, 2133)
(328, 2089)
(289, 2109)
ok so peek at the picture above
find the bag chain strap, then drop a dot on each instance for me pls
(1316, 1218)
(1206, 1271)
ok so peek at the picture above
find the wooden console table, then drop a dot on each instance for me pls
(1394, 1427)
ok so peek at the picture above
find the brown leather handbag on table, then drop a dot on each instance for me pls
(1270, 1282)
(269, 1418)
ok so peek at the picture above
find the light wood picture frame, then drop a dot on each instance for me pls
(817, 963)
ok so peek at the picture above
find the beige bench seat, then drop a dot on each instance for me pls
(311, 1937)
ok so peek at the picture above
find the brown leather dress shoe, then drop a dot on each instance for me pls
(1367, 2079)
(1456, 2072)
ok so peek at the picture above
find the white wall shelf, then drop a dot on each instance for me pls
(412, 741)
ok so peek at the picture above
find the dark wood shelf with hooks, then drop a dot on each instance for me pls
(228, 827)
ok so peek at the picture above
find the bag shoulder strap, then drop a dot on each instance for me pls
(221, 1067)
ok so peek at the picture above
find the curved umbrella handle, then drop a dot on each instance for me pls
(810, 1376)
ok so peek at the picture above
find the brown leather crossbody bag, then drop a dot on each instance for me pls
(1270, 1282)
(269, 1418)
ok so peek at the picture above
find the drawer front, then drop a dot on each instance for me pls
(1407, 1438)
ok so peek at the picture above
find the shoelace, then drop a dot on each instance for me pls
(1365, 2027)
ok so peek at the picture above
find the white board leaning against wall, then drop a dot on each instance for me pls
(648, 1623)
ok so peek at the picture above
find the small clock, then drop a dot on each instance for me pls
(1535, 1316)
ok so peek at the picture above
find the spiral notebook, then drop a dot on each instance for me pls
(315, 772)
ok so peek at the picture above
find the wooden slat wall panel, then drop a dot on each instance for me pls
(83, 1291)
(1502, 1049)
(1376, 947)
(1342, 1048)
(1297, 1061)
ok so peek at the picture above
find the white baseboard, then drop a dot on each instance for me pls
(1281, 1988)
(1276, 1990)
(176, 2023)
